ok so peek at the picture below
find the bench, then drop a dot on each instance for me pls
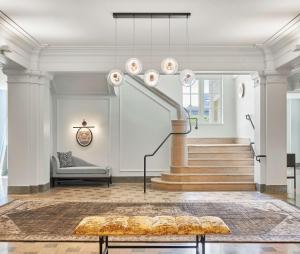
(105, 226)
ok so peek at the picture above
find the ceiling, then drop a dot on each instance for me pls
(90, 22)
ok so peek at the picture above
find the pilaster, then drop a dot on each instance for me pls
(276, 132)
(270, 130)
(3, 77)
(28, 131)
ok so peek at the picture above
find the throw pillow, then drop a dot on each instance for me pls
(65, 159)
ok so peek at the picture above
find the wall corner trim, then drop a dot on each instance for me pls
(271, 189)
(28, 189)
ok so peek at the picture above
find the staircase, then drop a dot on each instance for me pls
(214, 164)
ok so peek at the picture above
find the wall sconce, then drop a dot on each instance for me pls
(84, 135)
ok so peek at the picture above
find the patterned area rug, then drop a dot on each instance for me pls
(250, 221)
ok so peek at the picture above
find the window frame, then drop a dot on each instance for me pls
(201, 101)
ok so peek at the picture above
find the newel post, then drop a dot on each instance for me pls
(178, 144)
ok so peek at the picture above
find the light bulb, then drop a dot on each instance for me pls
(115, 77)
(151, 77)
(133, 66)
(187, 77)
(169, 66)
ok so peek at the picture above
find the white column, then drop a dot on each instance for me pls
(259, 119)
(3, 78)
(28, 131)
(3, 86)
(270, 131)
(276, 133)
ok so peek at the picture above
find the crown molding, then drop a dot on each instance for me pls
(13, 27)
(284, 32)
(21, 44)
(29, 77)
(199, 58)
(282, 44)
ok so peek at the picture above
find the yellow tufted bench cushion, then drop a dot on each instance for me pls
(145, 225)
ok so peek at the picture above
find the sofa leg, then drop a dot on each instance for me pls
(52, 181)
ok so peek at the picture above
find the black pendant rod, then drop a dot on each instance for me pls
(148, 15)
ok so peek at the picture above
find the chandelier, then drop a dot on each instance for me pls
(133, 66)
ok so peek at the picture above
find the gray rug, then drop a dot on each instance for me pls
(250, 221)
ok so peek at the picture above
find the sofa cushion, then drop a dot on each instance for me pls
(65, 159)
(82, 170)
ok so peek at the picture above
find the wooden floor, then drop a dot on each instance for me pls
(134, 191)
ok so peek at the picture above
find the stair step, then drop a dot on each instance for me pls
(220, 162)
(158, 183)
(213, 169)
(218, 141)
(245, 155)
(218, 148)
(170, 177)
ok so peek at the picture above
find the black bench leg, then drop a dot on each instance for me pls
(106, 245)
(100, 244)
(203, 243)
(197, 244)
(108, 181)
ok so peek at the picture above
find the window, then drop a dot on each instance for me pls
(204, 99)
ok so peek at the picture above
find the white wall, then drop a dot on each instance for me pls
(144, 123)
(244, 105)
(71, 110)
(170, 85)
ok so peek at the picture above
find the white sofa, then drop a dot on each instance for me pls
(82, 170)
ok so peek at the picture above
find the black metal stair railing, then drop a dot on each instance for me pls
(248, 117)
(257, 157)
(252, 144)
(161, 144)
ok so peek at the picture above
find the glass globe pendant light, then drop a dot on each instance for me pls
(151, 76)
(187, 76)
(133, 65)
(169, 65)
(115, 77)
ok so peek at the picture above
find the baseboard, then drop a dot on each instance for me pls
(28, 189)
(130, 179)
(274, 189)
